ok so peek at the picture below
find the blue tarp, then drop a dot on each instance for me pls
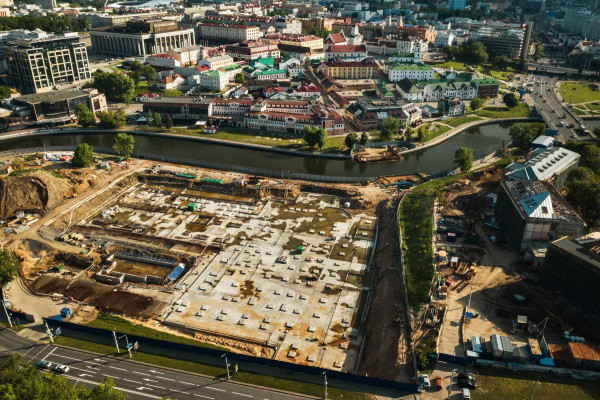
(175, 273)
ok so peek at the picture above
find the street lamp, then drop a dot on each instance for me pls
(325, 375)
(535, 385)
(226, 366)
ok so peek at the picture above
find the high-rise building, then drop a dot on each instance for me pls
(46, 4)
(500, 38)
(591, 29)
(457, 4)
(37, 65)
(574, 20)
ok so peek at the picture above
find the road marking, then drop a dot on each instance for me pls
(166, 379)
(144, 388)
(110, 376)
(120, 369)
(76, 359)
(52, 351)
(199, 395)
(38, 353)
(27, 352)
(156, 372)
(86, 375)
(217, 389)
(140, 373)
(116, 387)
(242, 394)
(158, 387)
(129, 380)
(150, 380)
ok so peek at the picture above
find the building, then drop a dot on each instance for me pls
(54, 107)
(268, 74)
(251, 50)
(300, 52)
(214, 80)
(335, 39)
(438, 91)
(163, 61)
(409, 90)
(216, 62)
(232, 70)
(454, 107)
(511, 40)
(188, 55)
(364, 69)
(310, 90)
(396, 72)
(575, 20)
(346, 52)
(444, 38)
(586, 355)
(486, 87)
(232, 33)
(38, 65)
(311, 41)
(46, 4)
(533, 212)
(141, 38)
(591, 29)
(572, 267)
(367, 115)
(416, 32)
(181, 109)
(552, 165)
(457, 5)
(169, 82)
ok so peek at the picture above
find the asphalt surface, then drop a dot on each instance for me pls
(138, 381)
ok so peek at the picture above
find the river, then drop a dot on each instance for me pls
(483, 140)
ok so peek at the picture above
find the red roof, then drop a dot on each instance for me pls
(347, 48)
(275, 89)
(202, 68)
(309, 89)
(336, 38)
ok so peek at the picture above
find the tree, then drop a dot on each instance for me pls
(139, 70)
(478, 54)
(524, 134)
(539, 52)
(364, 138)
(85, 116)
(124, 145)
(441, 108)
(476, 103)
(5, 91)
(112, 119)
(310, 137)
(117, 87)
(583, 191)
(510, 100)
(501, 62)
(106, 390)
(408, 133)
(168, 122)
(239, 78)
(8, 267)
(390, 127)
(83, 156)
(421, 134)
(504, 148)
(321, 135)
(351, 139)
(464, 158)
(19, 163)
(156, 120)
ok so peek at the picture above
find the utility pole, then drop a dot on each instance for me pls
(116, 342)
(534, 387)
(5, 310)
(128, 347)
(49, 332)
(227, 366)
(325, 376)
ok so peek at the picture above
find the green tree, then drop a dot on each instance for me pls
(421, 134)
(83, 156)
(239, 78)
(117, 87)
(539, 51)
(8, 267)
(511, 100)
(112, 119)
(504, 148)
(464, 158)
(524, 134)
(106, 391)
(124, 145)
(139, 70)
(85, 116)
(408, 133)
(321, 136)
(5, 91)
(364, 138)
(501, 62)
(351, 139)
(583, 191)
(156, 120)
(390, 128)
(310, 137)
(168, 122)
(476, 103)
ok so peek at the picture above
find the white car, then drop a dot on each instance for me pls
(61, 368)
(424, 380)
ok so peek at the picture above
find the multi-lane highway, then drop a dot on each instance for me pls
(138, 381)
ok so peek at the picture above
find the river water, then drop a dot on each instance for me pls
(483, 140)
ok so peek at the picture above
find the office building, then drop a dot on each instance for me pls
(511, 40)
(141, 38)
(575, 20)
(38, 65)
(572, 267)
(216, 62)
(545, 164)
(591, 29)
(232, 33)
(533, 213)
(46, 4)
(251, 50)
(457, 5)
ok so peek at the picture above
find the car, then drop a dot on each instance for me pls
(464, 375)
(61, 368)
(571, 125)
(43, 364)
(424, 379)
(468, 383)
(438, 382)
(553, 111)
(574, 136)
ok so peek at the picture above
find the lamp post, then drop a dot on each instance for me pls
(226, 366)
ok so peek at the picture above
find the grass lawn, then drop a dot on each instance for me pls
(593, 106)
(144, 88)
(506, 75)
(435, 132)
(172, 93)
(112, 322)
(451, 64)
(497, 384)
(458, 121)
(520, 111)
(578, 93)
(192, 367)
(274, 139)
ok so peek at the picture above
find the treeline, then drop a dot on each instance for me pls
(54, 23)
(471, 53)
(583, 183)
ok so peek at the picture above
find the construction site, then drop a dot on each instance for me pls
(278, 269)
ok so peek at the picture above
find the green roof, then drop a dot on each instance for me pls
(486, 81)
(409, 67)
(271, 72)
(462, 77)
(213, 73)
(231, 67)
(406, 55)
(385, 91)
(268, 61)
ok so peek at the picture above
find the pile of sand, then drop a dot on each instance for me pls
(36, 191)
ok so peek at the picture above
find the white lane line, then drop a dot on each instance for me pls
(110, 376)
(38, 353)
(204, 397)
(155, 386)
(52, 351)
(166, 379)
(27, 352)
(217, 389)
(116, 387)
(150, 380)
(156, 372)
(120, 369)
(81, 369)
(144, 388)
(140, 373)
(242, 394)
(76, 359)
(129, 380)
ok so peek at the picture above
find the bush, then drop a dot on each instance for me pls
(83, 155)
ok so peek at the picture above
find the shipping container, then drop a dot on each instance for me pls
(497, 349)
(507, 348)
(535, 353)
(476, 344)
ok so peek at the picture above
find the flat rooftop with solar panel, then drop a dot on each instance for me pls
(289, 277)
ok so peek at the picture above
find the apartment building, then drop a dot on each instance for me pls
(445, 90)
(251, 50)
(312, 42)
(38, 65)
(214, 80)
(346, 52)
(396, 71)
(233, 33)
(364, 69)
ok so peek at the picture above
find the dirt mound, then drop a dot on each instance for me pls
(35, 191)
(49, 284)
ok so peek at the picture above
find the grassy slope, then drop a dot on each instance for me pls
(578, 93)
(520, 111)
(458, 121)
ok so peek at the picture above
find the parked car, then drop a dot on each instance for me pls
(61, 369)
(438, 382)
(43, 364)
(468, 383)
(464, 375)
(466, 394)
(424, 380)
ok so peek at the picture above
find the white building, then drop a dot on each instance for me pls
(188, 55)
(444, 39)
(396, 72)
(445, 90)
(346, 52)
(235, 33)
(409, 90)
(216, 62)
(214, 80)
(162, 60)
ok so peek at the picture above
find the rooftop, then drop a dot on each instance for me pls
(347, 48)
(544, 165)
(584, 351)
(409, 67)
(51, 96)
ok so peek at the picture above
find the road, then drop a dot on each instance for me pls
(138, 381)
